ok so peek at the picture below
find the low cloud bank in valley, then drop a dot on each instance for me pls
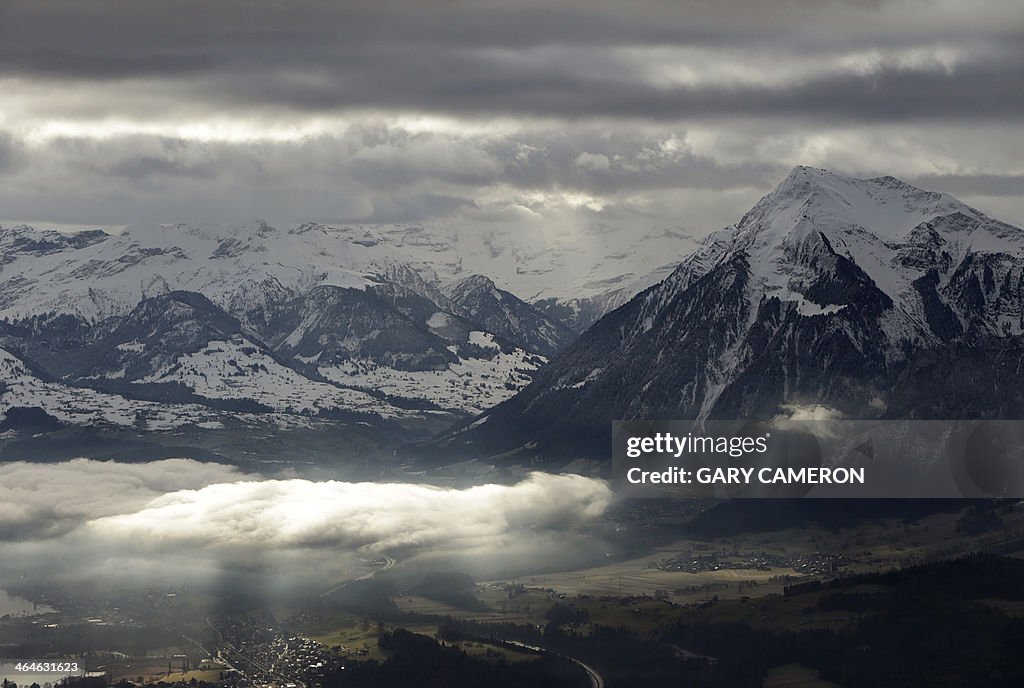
(139, 520)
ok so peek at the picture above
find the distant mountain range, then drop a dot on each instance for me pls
(239, 267)
(209, 325)
(855, 297)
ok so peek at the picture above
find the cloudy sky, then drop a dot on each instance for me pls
(642, 115)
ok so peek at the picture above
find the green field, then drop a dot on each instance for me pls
(348, 631)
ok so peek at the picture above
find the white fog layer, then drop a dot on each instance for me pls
(124, 518)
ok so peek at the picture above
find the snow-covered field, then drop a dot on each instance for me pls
(86, 407)
(472, 385)
(239, 370)
(90, 408)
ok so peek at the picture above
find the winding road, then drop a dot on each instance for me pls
(596, 680)
(388, 564)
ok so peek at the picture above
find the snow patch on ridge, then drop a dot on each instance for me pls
(471, 385)
(239, 370)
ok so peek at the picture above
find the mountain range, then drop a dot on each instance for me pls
(862, 298)
(220, 322)
(859, 298)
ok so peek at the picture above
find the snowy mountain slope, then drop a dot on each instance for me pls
(330, 324)
(478, 299)
(238, 369)
(244, 267)
(579, 313)
(829, 291)
(112, 311)
(394, 341)
(484, 374)
(180, 347)
(892, 231)
(152, 334)
(237, 267)
(562, 267)
(22, 388)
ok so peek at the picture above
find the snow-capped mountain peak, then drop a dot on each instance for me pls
(892, 232)
(832, 290)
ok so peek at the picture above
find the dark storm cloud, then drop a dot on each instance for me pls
(560, 87)
(114, 40)
(564, 113)
(373, 174)
(521, 58)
